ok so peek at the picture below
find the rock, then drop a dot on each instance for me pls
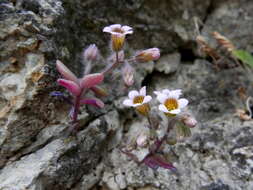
(168, 64)
(226, 18)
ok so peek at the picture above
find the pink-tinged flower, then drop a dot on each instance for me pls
(118, 34)
(138, 100)
(128, 75)
(151, 54)
(91, 52)
(171, 105)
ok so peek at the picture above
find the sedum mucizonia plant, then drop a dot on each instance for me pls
(147, 144)
(147, 147)
(79, 87)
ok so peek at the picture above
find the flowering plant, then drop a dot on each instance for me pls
(78, 87)
(146, 147)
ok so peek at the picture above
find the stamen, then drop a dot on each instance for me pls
(138, 99)
(171, 104)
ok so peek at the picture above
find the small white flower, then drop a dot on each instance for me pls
(117, 29)
(137, 98)
(171, 105)
(118, 34)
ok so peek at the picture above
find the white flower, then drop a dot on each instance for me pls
(137, 98)
(171, 105)
(117, 29)
(118, 34)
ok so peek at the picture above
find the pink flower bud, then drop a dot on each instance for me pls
(189, 121)
(71, 86)
(65, 72)
(151, 54)
(91, 80)
(91, 52)
(128, 75)
(142, 140)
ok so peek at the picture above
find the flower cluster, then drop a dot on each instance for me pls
(149, 140)
(79, 87)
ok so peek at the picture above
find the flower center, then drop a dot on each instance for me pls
(171, 104)
(138, 99)
(118, 30)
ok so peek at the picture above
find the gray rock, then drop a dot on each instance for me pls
(168, 64)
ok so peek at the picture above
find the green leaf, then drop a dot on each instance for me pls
(244, 56)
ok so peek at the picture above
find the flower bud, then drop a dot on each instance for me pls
(151, 54)
(128, 75)
(91, 52)
(142, 140)
(189, 121)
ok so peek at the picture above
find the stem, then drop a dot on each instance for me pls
(74, 126)
(112, 66)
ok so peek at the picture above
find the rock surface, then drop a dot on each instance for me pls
(35, 154)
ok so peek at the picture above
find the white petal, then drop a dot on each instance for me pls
(175, 94)
(114, 26)
(132, 94)
(107, 29)
(157, 92)
(135, 105)
(163, 108)
(127, 29)
(183, 102)
(162, 98)
(128, 32)
(176, 111)
(128, 102)
(143, 91)
(166, 91)
(147, 99)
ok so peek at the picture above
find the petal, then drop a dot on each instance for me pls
(143, 91)
(183, 102)
(166, 91)
(70, 85)
(128, 102)
(107, 29)
(94, 102)
(157, 92)
(65, 72)
(114, 26)
(126, 28)
(163, 108)
(132, 94)
(162, 98)
(91, 80)
(175, 94)
(176, 111)
(147, 99)
(136, 105)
